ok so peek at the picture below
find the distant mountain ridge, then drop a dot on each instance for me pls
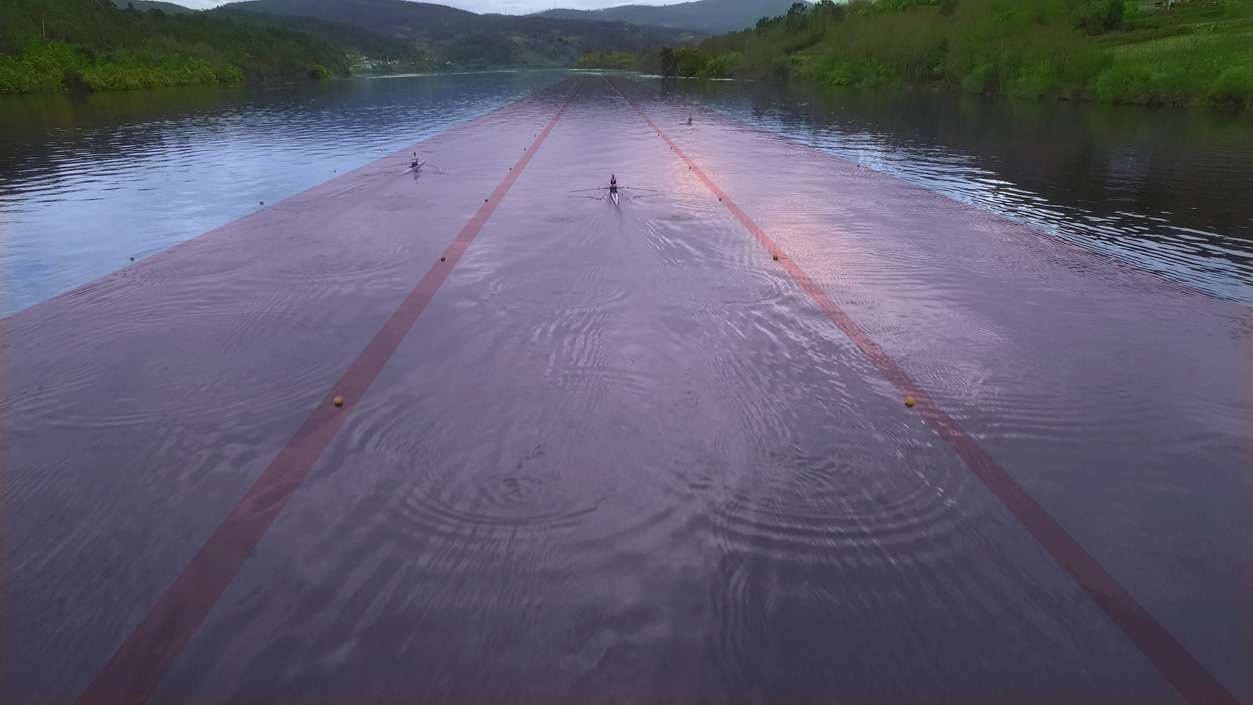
(465, 39)
(168, 8)
(704, 16)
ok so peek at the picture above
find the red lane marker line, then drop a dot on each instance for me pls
(1106, 256)
(140, 663)
(1196, 684)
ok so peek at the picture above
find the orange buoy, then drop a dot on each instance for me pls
(909, 401)
(441, 258)
(776, 257)
(339, 401)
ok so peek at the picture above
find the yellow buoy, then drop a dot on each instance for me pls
(776, 257)
(262, 202)
(909, 401)
(339, 401)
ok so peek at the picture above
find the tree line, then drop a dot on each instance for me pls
(1196, 52)
(79, 45)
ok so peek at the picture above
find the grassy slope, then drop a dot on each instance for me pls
(1200, 52)
(366, 47)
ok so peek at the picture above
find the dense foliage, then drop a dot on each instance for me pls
(606, 60)
(364, 46)
(52, 45)
(1198, 51)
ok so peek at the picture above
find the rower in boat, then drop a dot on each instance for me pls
(613, 188)
(689, 118)
(416, 164)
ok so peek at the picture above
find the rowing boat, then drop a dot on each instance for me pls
(614, 196)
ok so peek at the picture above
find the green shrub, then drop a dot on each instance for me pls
(841, 75)
(719, 66)
(230, 73)
(979, 80)
(1233, 86)
(1124, 84)
(690, 61)
(1035, 85)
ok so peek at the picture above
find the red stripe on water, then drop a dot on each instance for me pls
(139, 664)
(1196, 684)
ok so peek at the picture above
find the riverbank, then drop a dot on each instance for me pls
(80, 45)
(1193, 53)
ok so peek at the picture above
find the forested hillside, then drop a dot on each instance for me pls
(80, 45)
(705, 16)
(1196, 52)
(53, 45)
(363, 45)
(464, 39)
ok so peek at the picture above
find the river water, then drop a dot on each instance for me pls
(1164, 188)
(615, 451)
(87, 183)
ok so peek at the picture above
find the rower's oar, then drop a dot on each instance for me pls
(580, 190)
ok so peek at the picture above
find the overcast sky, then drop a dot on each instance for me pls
(508, 7)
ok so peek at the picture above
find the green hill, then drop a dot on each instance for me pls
(387, 17)
(1192, 52)
(464, 39)
(54, 45)
(369, 48)
(705, 16)
(168, 8)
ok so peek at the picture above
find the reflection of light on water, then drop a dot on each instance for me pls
(1209, 261)
(1132, 237)
(79, 202)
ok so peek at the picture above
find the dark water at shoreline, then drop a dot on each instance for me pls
(1165, 188)
(89, 182)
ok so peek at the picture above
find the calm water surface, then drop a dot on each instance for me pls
(87, 183)
(620, 457)
(1165, 188)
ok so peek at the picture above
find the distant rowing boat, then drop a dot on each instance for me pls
(613, 192)
(416, 165)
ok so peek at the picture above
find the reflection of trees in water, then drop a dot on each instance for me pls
(1152, 185)
(1195, 164)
